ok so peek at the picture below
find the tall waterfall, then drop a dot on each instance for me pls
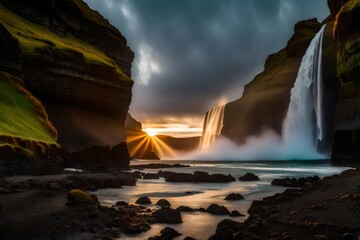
(213, 124)
(302, 127)
(299, 131)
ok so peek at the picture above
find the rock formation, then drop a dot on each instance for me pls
(347, 35)
(265, 100)
(75, 62)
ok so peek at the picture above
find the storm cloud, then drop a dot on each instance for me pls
(190, 54)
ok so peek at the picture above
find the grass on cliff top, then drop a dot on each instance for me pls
(21, 115)
(32, 37)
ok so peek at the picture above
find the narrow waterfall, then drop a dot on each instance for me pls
(213, 124)
(299, 131)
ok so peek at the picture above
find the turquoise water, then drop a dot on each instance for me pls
(202, 225)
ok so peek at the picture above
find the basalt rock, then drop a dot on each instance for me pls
(347, 36)
(75, 62)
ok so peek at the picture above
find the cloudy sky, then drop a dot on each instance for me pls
(190, 55)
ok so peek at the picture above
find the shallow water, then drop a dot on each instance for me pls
(203, 225)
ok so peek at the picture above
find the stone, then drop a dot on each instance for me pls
(77, 196)
(121, 204)
(151, 176)
(217, 209)
(234, 196)
(163, 203)
(54, 186)
(168, 215)
(249, 177)
(185, 209)
(143, 200)
(235, 213)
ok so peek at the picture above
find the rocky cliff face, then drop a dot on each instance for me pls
(75, 62)
(347, 35)
(266, 99)
(78, 65)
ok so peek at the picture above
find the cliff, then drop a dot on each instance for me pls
(347, 35)
(26, 134)
(266, 98)
(75, 62)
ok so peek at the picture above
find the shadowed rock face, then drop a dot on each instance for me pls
(266, 98)
(347, 36)
(87, 100)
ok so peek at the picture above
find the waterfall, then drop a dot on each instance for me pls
(299, 131)
(213, 124)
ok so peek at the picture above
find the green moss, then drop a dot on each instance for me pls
(33, 38)
(79, 196)
(22, 116)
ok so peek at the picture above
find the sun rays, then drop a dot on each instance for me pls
(147, 141)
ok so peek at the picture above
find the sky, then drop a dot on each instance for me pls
(192, 55)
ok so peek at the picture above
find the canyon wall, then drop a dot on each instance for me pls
(76, 63)
(347, 36)
(266, 98)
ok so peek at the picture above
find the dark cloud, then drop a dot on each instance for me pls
(190, 53)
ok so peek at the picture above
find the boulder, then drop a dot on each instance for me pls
(185, 209)
(198, 176)
(77, 196)
(143, 200)
(249, 177)
(234, 197)
(226, 229)
(167, 215)
(217, 209)
(151, 176)
(121, 204)
(235, 213)
(163, 203)
(167, 233)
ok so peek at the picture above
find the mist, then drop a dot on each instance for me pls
(268, 146)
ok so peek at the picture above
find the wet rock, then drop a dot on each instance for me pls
(167, 215)
(348, 236)
(189, 238)
(226, 229)
(293, 182)
(143, 200)
(249, 177)
(234, 197)
(185, 209)
(217, 209)
(198, 176)
(163, 203)
(77, 196)
(235, 213)
(138, 228)
(54, 186)
(4, 191)
(121, 204)
(166, 234)
(320, 237)
(151, 176)
(158, 165)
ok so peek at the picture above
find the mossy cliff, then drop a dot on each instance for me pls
(75, 62)
(347, 36)
(266, 98)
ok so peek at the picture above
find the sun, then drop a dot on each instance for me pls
(151, 131)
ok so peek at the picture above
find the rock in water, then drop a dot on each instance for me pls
(143, 200)
(234, 196)
(217, 209)
(163, 203)
(77, 196)
(249, 177)
(236, 213)
(168, 215)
